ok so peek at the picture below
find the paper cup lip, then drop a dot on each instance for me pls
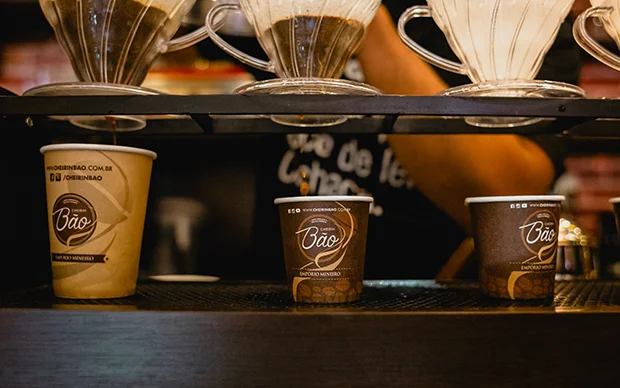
(97, 147)
(323, 198)
(511, 198)
(614, 200)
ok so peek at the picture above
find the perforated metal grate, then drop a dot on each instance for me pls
(391, 296)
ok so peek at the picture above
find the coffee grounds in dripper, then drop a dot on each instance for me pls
(321, 46)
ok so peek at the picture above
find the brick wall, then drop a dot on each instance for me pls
(25, 65)
(595, 179)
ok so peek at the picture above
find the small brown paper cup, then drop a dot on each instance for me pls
(516, 238)
(96, 205)
(615, 202)
(324, 242)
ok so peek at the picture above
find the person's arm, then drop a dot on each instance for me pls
(390, 65)
(449, 168)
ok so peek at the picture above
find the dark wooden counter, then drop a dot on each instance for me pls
(402, 333)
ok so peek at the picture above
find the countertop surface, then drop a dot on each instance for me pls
(400, 334)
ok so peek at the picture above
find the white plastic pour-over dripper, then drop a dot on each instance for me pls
(501, 46)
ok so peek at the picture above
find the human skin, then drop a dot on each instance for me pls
(448, 168)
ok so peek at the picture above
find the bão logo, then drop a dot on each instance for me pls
(74, 219)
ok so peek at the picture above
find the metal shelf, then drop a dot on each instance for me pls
(236, 114)
(388, 105)
(230, 104)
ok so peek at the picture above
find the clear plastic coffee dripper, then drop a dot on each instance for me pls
(607, 12)
(308, 43)
(112, 44)
(501, 45)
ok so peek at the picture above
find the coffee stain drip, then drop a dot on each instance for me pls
(112, 121)
(304, 186)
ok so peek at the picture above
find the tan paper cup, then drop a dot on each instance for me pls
(324, 242)
(615, 202)
(96, 204)
(516, 238)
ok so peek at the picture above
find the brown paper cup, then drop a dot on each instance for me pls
(615, 202)
(516, 239)
(96, 205)
(324, 241)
